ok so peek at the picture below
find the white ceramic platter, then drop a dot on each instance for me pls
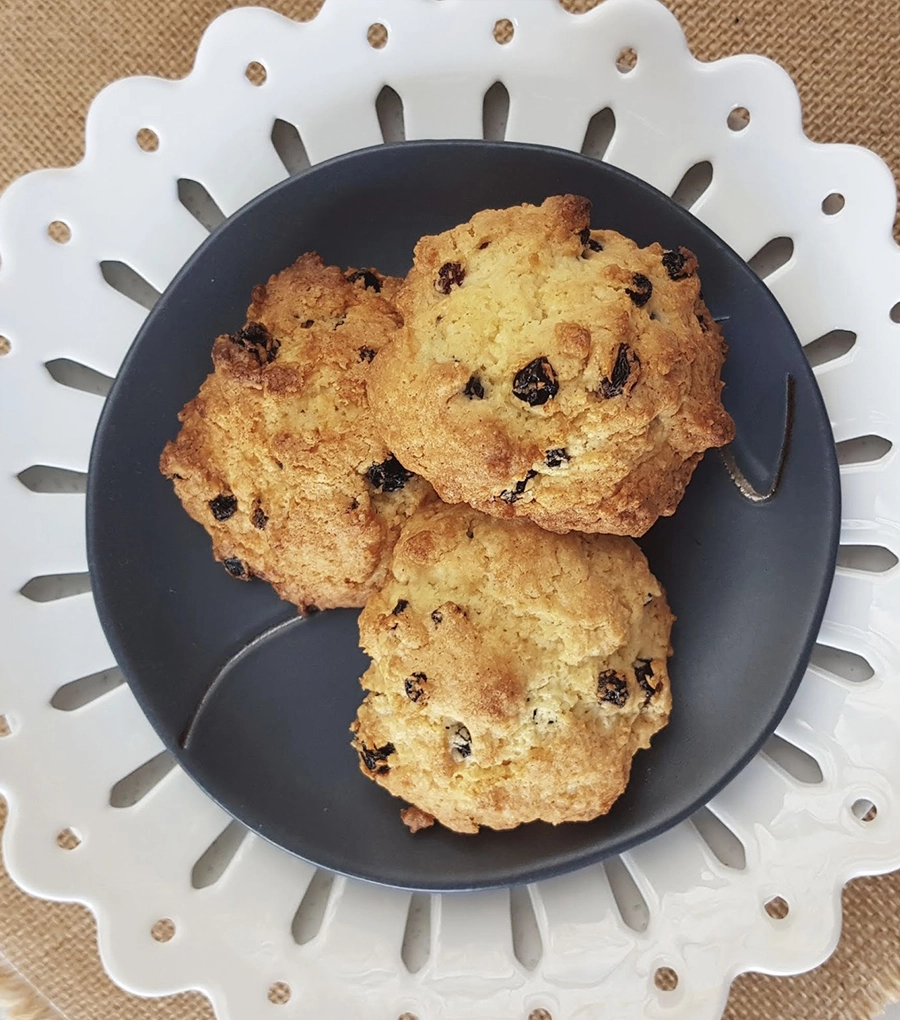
(100, 814)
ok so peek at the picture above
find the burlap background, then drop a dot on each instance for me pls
(57, 55)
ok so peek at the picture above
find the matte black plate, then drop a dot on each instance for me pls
(748, 581)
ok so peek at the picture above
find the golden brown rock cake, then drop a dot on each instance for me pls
(551, 371)
(278, 457)
(515, 672)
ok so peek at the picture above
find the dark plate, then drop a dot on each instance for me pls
(748, 581)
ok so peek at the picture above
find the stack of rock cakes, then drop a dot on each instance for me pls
(468, 453)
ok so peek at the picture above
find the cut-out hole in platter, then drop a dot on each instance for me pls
(78, 377)
(872, 559)
(5, 346)
(59, 232)
(632, 906)
(68, 839)
(130, 283)
(540, 1014)
(665, 979)
(163, 930)
(289, 145)
(840, 662)
(831, 345)
(526, 936)
(311, 912)
(53, 587)
(46, 479)
(777, 908)
(738, 118)
(416, 947)
(214, 861)
(771, 257)
(865, 810)
(495, 112)
(626, 60)
(279, 993)
(147, 139)
(137, 784)
(389, 108)
(796, 762)
(863, 450)
(408, 1016)
(84, 690)
(256, 73)
(895, 313)
(695, 182)
(600, 130)
(724, 844)
(833, 203)
(5, 726)
(377, 36)
(504, 30)
(199, 203)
